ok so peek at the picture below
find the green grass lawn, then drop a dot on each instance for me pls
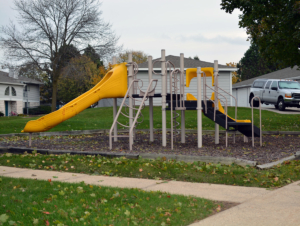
(101, 118)
(33, 202)
(159, 169)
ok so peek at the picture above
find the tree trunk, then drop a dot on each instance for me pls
(54, 94)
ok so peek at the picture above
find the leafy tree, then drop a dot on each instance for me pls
(253, 64)
(137, 56)
(235, 77)
(30, 70)
(48, 28)
(196, 57)
(77, 77)
(95, 57)
(273, 25)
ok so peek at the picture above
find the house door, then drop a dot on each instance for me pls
(6, 108)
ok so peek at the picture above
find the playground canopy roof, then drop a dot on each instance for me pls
(286, 73)
(188, 63)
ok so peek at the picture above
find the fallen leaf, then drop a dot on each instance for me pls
(218, 208)
(276, 178)
(49, 180)
(141, 170)
(33, 175)
(35, 221)
(46, 212)
(127, 213)
(3, 218)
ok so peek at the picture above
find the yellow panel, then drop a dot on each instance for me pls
(113, 85)
(190, 96)
(192, 73)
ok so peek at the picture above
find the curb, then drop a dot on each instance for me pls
(106, 131)
(296, 156)
(17, 150)
(185, 158)
(207, 159)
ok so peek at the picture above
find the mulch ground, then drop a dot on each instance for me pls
(274, 147)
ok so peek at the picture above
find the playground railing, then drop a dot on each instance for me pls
(216, 104)
(234, 99)
(260, 133)
(173, 84)
(127, 116)
(138, 112)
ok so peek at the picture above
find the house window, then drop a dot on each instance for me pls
(6, 91)
(13, 91)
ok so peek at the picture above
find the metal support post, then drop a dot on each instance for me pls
(115, 107)
(216, 71)
(150, 100)
(182, 98)
(130, 78)
(199, 107)
(164, 95)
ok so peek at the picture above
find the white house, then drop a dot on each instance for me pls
(241, 90)
(17, 92)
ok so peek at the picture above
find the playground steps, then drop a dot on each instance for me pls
(243, 127)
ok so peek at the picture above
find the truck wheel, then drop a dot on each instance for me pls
(281, 105)
(255, 103)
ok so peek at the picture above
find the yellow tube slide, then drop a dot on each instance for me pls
(192, 73)
(113, 85)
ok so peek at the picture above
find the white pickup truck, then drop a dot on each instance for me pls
(279, 92)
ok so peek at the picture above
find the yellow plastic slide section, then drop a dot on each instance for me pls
(190, 96)
(113, 85)
(221, 109)
(192, 73)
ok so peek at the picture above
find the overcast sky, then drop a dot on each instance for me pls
(192, 27)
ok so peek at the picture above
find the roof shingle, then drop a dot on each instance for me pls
(286, 73)
(188, 63)
(5, 78)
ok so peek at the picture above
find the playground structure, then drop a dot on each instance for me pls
(114, 85)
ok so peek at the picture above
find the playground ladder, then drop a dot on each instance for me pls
(134, 118)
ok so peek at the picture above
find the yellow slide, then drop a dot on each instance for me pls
(190, 96)
(113, 85)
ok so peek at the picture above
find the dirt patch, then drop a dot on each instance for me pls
(274, 147)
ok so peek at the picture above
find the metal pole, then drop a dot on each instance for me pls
(182, 98)
(164, 94)
(171, 98)
(199, 108)
(130, 78)
(115, 107)
(216, 71)
(150, 99)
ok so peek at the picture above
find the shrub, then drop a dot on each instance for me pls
(39, 110)
(1, 114)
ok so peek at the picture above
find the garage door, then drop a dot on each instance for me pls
(242, 95)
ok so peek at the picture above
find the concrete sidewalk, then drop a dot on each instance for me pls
(258, 205)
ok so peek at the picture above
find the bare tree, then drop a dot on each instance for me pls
(49, 27)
